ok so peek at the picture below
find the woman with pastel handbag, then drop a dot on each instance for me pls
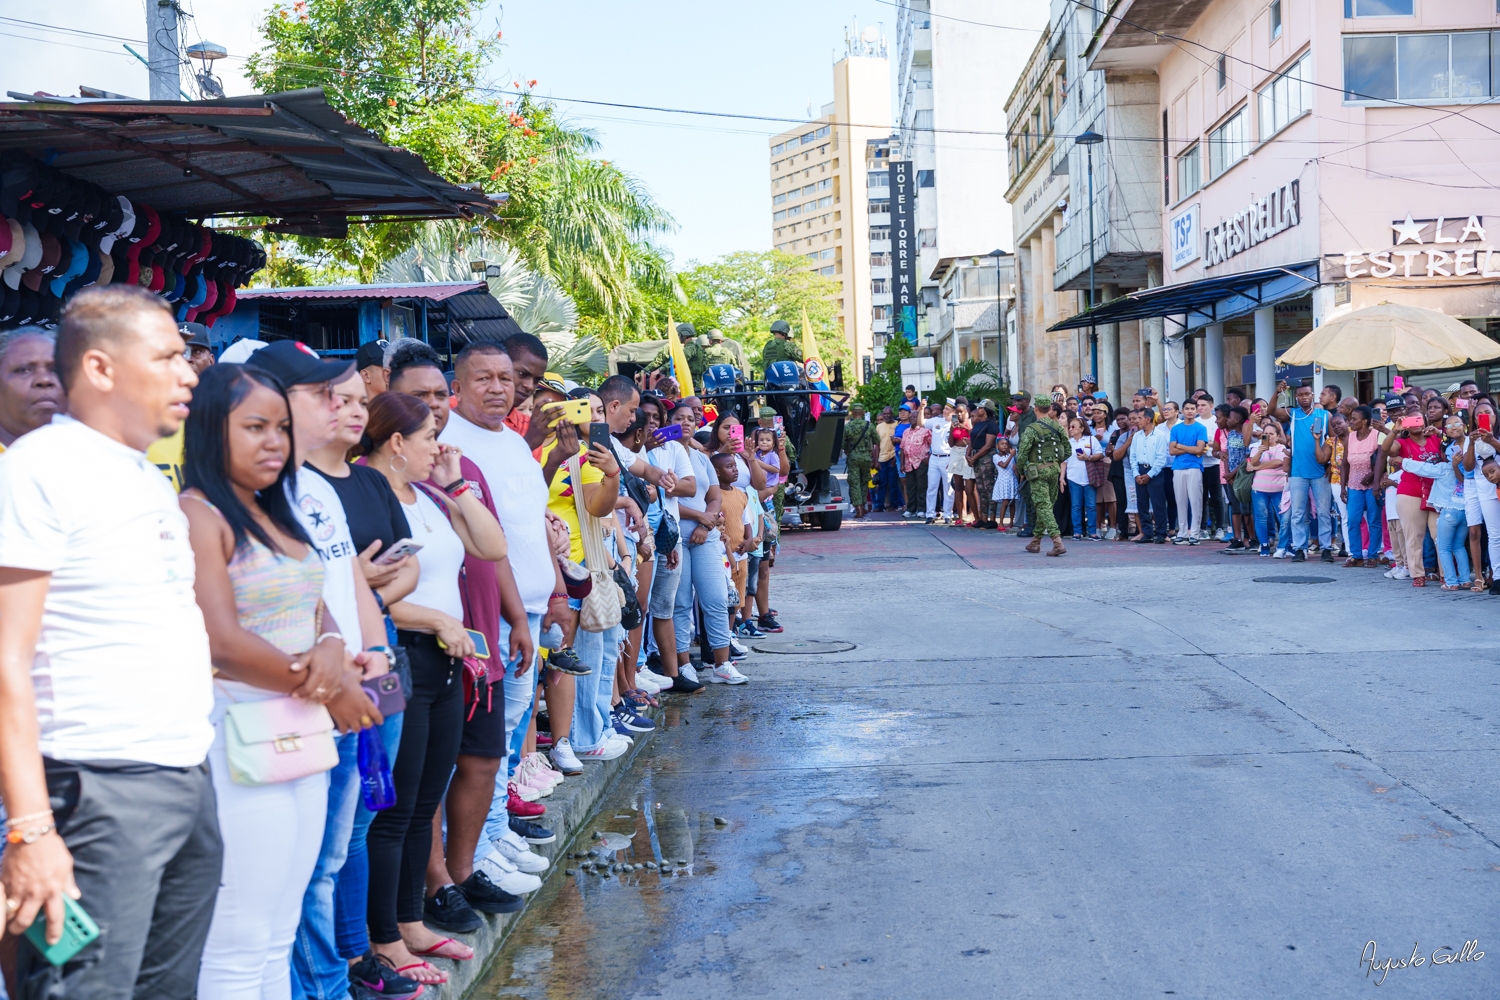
(281, 680)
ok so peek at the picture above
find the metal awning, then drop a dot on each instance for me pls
(431, 291)
(1201, 303)
(290, 157)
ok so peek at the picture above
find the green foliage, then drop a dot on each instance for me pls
(974, 379)
(411, 72)
(884, 387)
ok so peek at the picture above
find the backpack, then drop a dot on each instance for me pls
(1053, 447)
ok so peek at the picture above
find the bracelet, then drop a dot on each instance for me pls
(328, 635)
(15, 821)
(453, 486)
(556, 596)
(385, 650)
(612, 475)
(459, 492)
(379, 601)
(29, 836)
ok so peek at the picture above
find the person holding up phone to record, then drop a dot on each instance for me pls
(1417, 436)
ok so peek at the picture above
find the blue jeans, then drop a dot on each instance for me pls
(887, 487)
(1322, 493)
(351, 893)
(1267, 514)
(703, 571)
(1151, 502)
(520, 702)
(1083, 500)
(318, 973)
(1453, 534)
(1363, 508)
(595, 692)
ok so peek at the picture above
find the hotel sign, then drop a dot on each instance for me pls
(1257, 222)
(903, 249)
(1470, 255)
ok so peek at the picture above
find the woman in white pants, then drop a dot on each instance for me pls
(259, 583)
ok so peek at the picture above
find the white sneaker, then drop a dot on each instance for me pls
(520, 856)
(662, 681)
(648, 682)
(689, 671)
(507, 876)
(625, 742)
(608, 750)
(1280, 554)
(1112, 534)
(525, 792)
(534, 772)
(563, 756)
(727, 674)
(1401, 573)
(737, 649)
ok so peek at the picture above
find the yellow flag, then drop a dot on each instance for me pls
(812, 366)
(680, 367)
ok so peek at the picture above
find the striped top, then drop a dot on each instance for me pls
(276, 595)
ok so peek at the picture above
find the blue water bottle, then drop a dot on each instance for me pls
(375, 782)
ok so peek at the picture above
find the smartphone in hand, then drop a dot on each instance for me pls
(599, 435)
(1486, 421)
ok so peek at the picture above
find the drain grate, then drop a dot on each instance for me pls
(886, 559)
(803, 646)
(1293, 579)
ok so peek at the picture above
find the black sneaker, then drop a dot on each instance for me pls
(377, 976)
(1327, 555)
(768, 622)
(1299, 556)
(566, 661)
(487, 897)
(450, 911)
(532, 833)
(681, 685)
(1236, 546)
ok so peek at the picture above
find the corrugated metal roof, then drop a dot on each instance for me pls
(432, 291)
(288, 156)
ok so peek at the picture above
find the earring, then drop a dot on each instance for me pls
(403, 464)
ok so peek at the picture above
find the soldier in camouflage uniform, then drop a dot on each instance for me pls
(1042, 450)
(780, 346)
(859, 454)
(691, 350)
(716, 353)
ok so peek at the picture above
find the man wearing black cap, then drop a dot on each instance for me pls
(369, 361)
(780, 346)
(309, 382)
(200, 352)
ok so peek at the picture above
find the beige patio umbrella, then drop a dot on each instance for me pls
(1390, 334)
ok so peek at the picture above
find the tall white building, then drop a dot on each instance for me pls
(956, 61)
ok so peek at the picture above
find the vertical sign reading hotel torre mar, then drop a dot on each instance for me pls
(903, 250)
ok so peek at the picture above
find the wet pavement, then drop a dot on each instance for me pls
(1129, 772)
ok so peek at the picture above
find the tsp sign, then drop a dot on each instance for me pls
(1184, 235)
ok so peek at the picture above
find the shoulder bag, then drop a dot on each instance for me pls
(601, 608)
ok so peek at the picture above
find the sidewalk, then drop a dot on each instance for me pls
(567, 808)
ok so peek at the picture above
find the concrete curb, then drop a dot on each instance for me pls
(567, 808)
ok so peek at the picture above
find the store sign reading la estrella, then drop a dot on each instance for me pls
(1259, 221)
(1463, 261)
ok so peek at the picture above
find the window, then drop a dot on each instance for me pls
(826, 254)
(794, 210)
(878, 233)
(825, 184)
(880, 260)
(778, 148)
(922, 120)
(979, 283)
(820, 133)
(880, 312)
(881, 207)
(1223, 71)
(1051, 111)
(1227, 144)
(829, 270)
(1189, 172)
(879, 178)
(807, 138)
(1377, 8)
(1288, 96)
(779, 216)
(809, 189)
(880, 286)
(1420, 67)
(779, 199)
(1275, 20)
(825, 201)
(926, 178)
(926, 238)
(813, 255)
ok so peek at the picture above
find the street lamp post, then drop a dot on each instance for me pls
(997, 253)
(1088, 140)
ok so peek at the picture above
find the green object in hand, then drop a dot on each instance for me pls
(79, 931)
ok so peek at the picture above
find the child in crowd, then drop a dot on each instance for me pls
(738, 541)
(1006, 485)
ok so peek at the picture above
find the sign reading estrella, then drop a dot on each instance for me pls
(1460, 262)
(1259, 221)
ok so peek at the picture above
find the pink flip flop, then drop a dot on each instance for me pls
(436, 951)
(431, 970)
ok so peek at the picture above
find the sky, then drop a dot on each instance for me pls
(772, 58)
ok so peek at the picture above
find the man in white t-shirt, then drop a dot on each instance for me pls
(937, 464)
(105, 680)
(317, 968)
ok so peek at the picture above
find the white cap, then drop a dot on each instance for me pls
(237, 352)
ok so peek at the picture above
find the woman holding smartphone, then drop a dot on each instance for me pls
(401, 443)
(259, 583)
(1417, 437)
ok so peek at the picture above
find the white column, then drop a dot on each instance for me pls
(1176, 363)
(1152, 328)
(1265, 352)
(1109, 351)
(1213, 361)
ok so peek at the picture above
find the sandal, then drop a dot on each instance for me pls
(1477, 587)
(436, 951)
(1452, 586)
(427, 970)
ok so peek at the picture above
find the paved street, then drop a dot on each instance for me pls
(1130, 772)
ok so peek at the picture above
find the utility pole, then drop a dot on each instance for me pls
(163, 59)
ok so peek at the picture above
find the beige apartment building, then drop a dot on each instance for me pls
(820, 189)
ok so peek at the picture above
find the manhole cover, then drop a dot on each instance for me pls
(801, 646)
(1293, 579)
(886, 559)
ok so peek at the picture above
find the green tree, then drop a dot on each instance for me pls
(884, 387)
(413, 72)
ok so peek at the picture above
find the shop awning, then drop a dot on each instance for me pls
(290, 157)
(430, 291)
(1211, 300)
